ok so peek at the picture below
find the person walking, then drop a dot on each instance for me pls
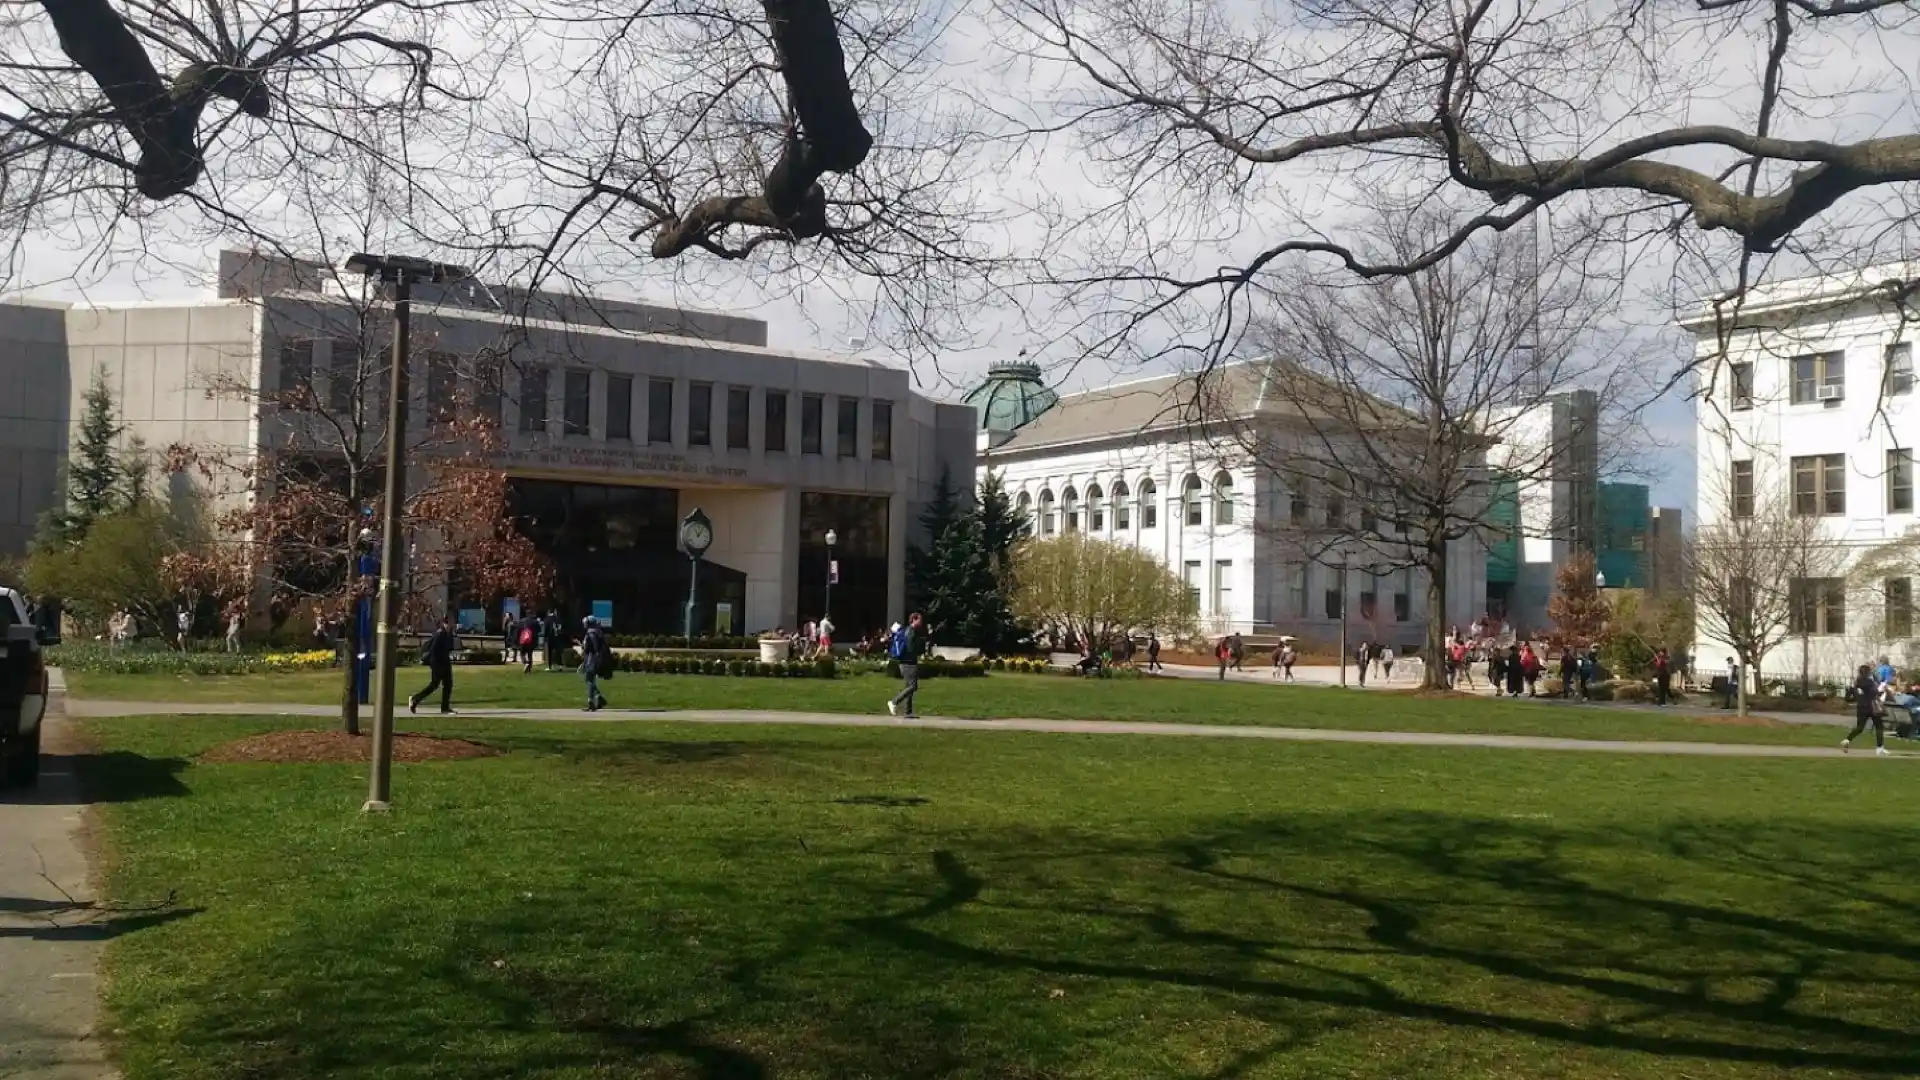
(184, 620)
(233, 631)
(438, 656)
(1868, 708)
(550, 637)
(1589, 673)
(908, 642)
(526, 637)
(1223, 655)
(1153, 653)
(1462, 664)
(1362, 654)
(1386, 662)
(1662, 677)
(1733, 683)
(1530, 668)
(1239, 649)
(1516, 672)
(596, 662)
(1569, 671)
(1496, 670)
(1288, 657)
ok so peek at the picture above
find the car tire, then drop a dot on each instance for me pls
(23, 768)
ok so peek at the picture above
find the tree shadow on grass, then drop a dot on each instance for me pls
(99, 924)
(1553, 951)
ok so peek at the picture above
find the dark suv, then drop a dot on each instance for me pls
(23, 692)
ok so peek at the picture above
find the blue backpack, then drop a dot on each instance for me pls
(898, 647)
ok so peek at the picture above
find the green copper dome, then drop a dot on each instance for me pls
(1012, 397)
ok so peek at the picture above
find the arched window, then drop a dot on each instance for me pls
(1096, 509)
(1149, 505)
(1070, 508)
(1122, 513)
(1046, 512)
(1223, 499)
(1023, 508)
(1190, 497)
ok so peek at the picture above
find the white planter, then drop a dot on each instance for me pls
(774, 650)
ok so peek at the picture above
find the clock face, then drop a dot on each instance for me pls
(698, 536)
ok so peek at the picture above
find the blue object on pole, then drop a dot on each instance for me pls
(363, 624)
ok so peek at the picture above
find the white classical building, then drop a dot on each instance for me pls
(1814, 402)
(1129, 462)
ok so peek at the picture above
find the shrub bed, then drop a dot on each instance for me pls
(99, 659)
(676, 641)
(695, 665)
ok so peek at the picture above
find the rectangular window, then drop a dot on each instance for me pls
(846, 428)
(1743, 489)
(1333, 602)
(1122, 513)
(620, 408)
(660, 411)
(1900, 368)
(1742, 386)
(296, 372)
(533, 397)
(1336, 506)
(1369, 521)
(1297, 509)
(443, 386)
(1096, 514)
(1900, 481)
(1149, 508)
(1819, 377)
(812, 411)
(1296, 575)
(1899, 607)
(1402, 606)
(700, 414)
(487, 390)
(739, 416)
(1817, 606)
(882, 431)
(343, 377)
(1222, 586)
(776, 421)
(576, 405)
(1196, 514)
(1820, 485)
(1192, 578)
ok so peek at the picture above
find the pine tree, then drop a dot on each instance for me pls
(1001, 525)
(95, 471)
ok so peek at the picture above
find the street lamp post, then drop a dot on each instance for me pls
(833, 571)
(402, 272)
(696, 536)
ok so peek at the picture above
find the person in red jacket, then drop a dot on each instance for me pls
(1662, 677)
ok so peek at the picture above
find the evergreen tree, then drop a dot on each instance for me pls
(1001, 525)
(94, 471)
(942, 576)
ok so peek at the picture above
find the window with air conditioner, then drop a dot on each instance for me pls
(1818, 377)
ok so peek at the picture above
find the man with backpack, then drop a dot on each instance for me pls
(596, 663)
(526, 635)
(438, 656)
(908, 643)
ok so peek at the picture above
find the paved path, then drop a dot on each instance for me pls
(50, 932)
(1066, 727)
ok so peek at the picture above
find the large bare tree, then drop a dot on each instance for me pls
(1409, 407)
(1750, 567)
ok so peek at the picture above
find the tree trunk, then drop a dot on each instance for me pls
(1436, 649)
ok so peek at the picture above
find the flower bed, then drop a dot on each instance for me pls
(138, 661)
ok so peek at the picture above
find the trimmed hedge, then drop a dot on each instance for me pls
(677, 641)
(694, 665)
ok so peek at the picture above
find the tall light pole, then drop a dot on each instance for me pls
(400, 271)
(826, 609)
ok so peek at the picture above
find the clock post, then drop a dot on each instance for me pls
(696, 536)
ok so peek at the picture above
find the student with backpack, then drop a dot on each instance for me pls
(908, 643)
(525, 638)
(596, 663)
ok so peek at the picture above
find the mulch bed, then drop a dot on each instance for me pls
(338, 746)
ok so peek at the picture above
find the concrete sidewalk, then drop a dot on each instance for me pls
(51, 933)
(1061, 727)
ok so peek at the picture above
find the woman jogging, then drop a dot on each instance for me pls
(1867, 709)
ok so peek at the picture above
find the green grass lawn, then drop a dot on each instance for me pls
(670, 903)
(996, 696)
